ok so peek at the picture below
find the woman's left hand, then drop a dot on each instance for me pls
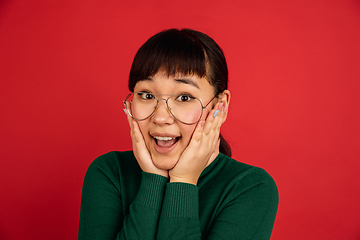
(202, 149)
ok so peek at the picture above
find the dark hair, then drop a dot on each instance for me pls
(183, 51)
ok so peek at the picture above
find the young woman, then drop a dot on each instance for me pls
(179, 181)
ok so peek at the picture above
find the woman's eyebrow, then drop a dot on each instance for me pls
(187, 81)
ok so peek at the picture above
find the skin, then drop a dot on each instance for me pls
(198, 144)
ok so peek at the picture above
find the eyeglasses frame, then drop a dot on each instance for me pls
(167, 106)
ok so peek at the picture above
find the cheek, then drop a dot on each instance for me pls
(187, 132)
(138, 112)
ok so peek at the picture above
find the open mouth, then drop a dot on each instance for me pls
(165, 142)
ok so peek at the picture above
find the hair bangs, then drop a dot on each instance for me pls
(172, 52)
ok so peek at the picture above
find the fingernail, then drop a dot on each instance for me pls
(125, 111)
(216, 113)
(202, 123)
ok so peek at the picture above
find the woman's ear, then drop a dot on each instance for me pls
(225, 97)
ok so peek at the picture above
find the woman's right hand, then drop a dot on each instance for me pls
(141, 153)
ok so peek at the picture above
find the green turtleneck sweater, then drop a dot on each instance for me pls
(232, 200)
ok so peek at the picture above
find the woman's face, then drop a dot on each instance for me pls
(165, 153)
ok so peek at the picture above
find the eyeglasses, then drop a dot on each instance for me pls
(184, 107)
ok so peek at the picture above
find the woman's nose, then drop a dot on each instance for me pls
(162, 114)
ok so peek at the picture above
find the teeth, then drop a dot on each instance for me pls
(164, 138)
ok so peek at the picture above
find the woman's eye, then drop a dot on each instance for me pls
(146, 96)
(184, 98)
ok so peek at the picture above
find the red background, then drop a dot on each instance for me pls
(294, 78)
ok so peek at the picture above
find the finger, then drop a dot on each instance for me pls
(214, 131)
(218, 115)
(220, 118)
(139, 147)
(224, 113)
(138, 137)
(129, 118)
(130, 124)
(198, 131)
(134, 132)
(213, 115)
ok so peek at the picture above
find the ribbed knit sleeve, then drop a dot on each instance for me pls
(142, 221)
(180, 213)
(104, 214)
(151, 191)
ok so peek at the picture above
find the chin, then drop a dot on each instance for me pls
(164, 162)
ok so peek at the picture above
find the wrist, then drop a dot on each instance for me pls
(161, 173)
(192, 181)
